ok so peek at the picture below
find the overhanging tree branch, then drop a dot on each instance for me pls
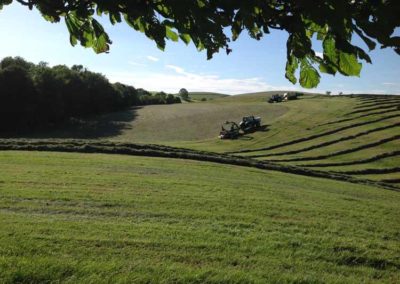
(205, 22)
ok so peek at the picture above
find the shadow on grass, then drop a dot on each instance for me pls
(262, 128)
(90, 127)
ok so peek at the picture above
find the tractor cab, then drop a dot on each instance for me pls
(250, 123)
(277, 98)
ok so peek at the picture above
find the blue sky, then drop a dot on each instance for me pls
(252, 66)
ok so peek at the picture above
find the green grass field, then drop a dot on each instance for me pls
(168, 124)
(102, 218)
(198, 96)
(94, 218)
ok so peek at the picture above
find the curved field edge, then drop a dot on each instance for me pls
(80, 218)
(79, 146)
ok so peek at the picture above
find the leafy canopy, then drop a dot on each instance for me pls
(207, 23)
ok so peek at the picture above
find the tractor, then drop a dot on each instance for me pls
(275, 99)
(250, 123)
(229, 130)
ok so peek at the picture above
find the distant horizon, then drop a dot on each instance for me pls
(302, 90)
(306, 92)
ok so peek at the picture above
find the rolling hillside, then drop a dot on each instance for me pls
(205, 95)
(152, 195)
(362, 141)
(357, 136)
(166, 123)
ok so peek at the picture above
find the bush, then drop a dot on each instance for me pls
(184, 94)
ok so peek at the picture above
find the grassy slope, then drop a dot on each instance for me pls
(109, 218)
(314, 129)
(170, 124)
(207, 95)
(298, 120)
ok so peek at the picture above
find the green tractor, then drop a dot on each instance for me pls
(229, 130)
(250, 123)
(277, 98)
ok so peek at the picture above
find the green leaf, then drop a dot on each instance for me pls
(101, 44)
(328, 69)
(73, 28)
(309, 77)
(291, 67)
(200, 46)
(330, 51)
(171, 34)
(139, 25)
(129, 20)
(101, 40)
(115, 18)
(73, 40)
(186, 38)
(201, 3)
(349, 65)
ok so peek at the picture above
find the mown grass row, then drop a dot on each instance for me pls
(171, 152)
(327, 143)
(382, 172)
(368, 97)
(395, 109)
(315, 136)
(371, 171)
(380, 107)
(355, 162)
(342, 152)
(372, 115)
(376, 103)
(394, 180)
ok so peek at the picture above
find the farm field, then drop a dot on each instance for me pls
(312, 197)
(205, 95)
(215, 142)
(362, 140)
(167, 124)
(95, 218)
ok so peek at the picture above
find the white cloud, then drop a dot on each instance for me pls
(176, 78)
(152, 58)
(177, 69)
(319, 54)
(390, 84)
(133, 63)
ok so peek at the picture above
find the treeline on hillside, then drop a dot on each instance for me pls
(38, 95)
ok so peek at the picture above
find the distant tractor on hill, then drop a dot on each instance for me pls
(277, 98)
(250, 123)
(290, 96)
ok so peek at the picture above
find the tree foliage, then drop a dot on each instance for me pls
(207, 23)
(37, 95)
(184, 94)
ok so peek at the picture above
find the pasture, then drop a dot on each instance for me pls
(198, 96)
(210, 210)
(94, 218)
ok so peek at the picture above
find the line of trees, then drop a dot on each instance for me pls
(34, 95)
